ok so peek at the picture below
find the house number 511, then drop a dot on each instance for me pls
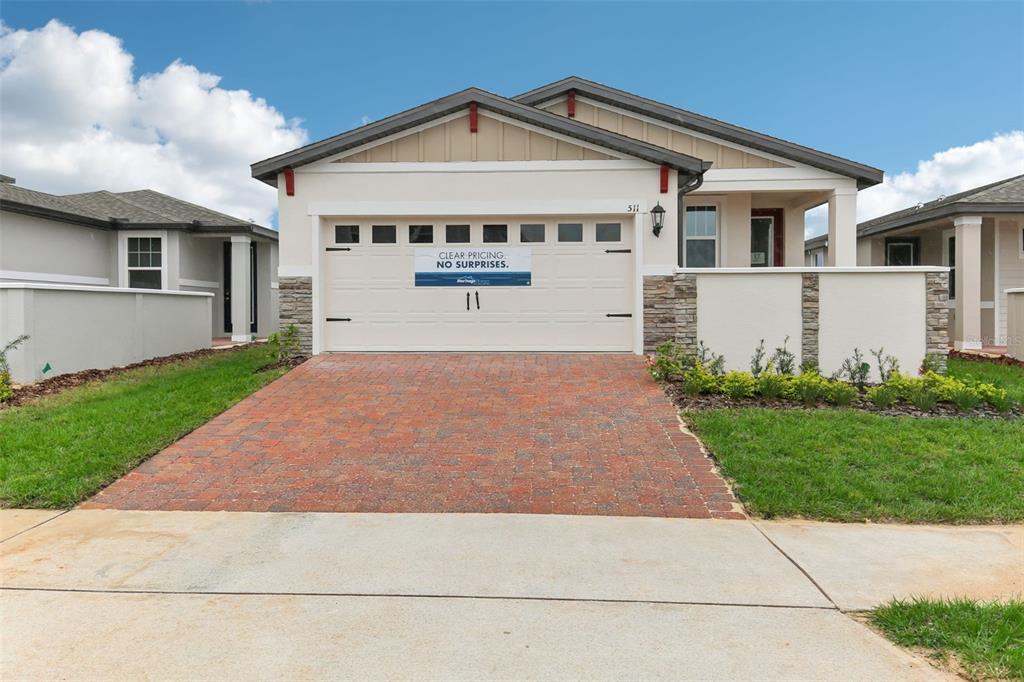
(633, 208)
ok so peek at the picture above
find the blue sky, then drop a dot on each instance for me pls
(884, 83)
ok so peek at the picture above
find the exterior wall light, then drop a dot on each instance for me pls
(658, 217)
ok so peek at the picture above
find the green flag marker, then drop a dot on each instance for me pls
(46, 368)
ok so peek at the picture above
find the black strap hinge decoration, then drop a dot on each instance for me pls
(618, 315)
(339, 248)
(339, 319)
(618, 250)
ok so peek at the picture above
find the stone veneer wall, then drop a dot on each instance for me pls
(670, 311)
(937, 316)
(295, 300)
(810, 309)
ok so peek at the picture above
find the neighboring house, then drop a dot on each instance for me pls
(978, 234)
(552, 200)
(142, 240)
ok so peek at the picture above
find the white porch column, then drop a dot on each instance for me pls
(793, 244)
(241, 289)
(967, 332)
(842, 227)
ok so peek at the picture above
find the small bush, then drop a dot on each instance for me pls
(713, 362)
(783, 359)
(965, 398)
(922, 397)
(809, 388)
(757, 362)
(670, 361)
(6, 390)
(883, 395)
(855, 370)
(284, 344)
(699, 380)
(840, 393)
(994, 396)
(738, 385)
(933, 362)
(887, 364)
(771, 385)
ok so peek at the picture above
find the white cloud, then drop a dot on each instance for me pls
(74, 118)
(947, 172)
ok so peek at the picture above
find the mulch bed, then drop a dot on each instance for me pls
(1005, 360)
(291, 362)
(685, 401)
(57, 384)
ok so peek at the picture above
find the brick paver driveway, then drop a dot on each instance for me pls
(445, 432)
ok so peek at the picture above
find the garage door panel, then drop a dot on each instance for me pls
(573, 287)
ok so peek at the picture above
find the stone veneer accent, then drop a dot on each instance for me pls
(937, 316)
(810, 309)
(670, 311)
(295, 301)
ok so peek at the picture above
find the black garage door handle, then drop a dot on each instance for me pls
(339, 319)
(618, 314)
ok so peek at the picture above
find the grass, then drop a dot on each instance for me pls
(56, 451)
(1003, 376)
(847, 465)
(986, 639)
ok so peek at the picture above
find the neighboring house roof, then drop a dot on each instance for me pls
(140, 209)
(268, 169)
(816, 242)
(1004, 196)
(865, 175)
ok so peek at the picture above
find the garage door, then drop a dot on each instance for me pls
(567, 285)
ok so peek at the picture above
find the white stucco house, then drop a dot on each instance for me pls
(579, 217)
(978, 234)
(102, 278)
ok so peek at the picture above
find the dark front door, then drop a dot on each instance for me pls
(227, 287)
(253, 307)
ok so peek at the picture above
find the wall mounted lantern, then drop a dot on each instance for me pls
(658, 217)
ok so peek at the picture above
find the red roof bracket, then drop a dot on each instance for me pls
(664, 179)
(571, 104)
(289, 182)
(472, 117)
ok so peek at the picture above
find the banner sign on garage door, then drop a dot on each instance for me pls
(473, 267)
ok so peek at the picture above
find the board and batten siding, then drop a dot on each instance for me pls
(723, 156)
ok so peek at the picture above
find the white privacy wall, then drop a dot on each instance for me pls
(1015, 323)
(80, 327)
(736, 311)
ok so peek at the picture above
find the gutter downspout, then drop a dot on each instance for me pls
(692, 184)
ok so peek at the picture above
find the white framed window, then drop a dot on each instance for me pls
(145, 262)
(698, 247)
(1020, 242)
(949, 259)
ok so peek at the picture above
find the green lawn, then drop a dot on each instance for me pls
(58, 450)
(1010, 378)
(987, 640)
(848, 465)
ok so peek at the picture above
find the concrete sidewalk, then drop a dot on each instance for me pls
(110, 594)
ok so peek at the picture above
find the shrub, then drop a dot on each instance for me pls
(783, 359)
(883, 395)
(771, 385)
(933, 362)
(808, 365)
(840, 393)
(808, 388)
(965, 398)
(922, 397)
(698, 380)
(943, 387)
(738, 385)
(757, 364)
(994, 396)
(887, 364)
(6, 389)
(284, 344)
(713, 362)
(855, 370)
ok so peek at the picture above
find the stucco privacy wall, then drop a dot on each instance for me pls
(110, 327)
(1015, 323)
(32, 248)
(825, 312)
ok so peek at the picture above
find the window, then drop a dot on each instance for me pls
(570, 232)
(762, 240)
(609, 232)
(384, 234)
(700, 237)
(951, 263)
(421, 234)
(145, 269)
(346, 234)
(901, 251)
(495, 234)
(456, 234)
(531, 234)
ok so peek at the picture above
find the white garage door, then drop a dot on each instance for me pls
(576, 295)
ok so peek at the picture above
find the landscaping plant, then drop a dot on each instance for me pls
(771, 385)
(6, 389)
(809, 388)
(757, 362)
(699, 380)
(738, 385)
(285, 343)
(855, 370)
(840, 393)
(783, 359)
(887, 364)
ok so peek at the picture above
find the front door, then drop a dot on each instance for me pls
(762, 238)
(253, 308)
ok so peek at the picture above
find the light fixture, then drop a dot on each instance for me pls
(658, 217)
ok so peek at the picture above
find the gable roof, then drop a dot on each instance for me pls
(1002, 196)
(816, 242)
(865, 175)
(268, 169)
(124, 210)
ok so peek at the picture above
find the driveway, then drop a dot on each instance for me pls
(453, 432)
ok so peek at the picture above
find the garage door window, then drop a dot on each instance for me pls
(456, 234)
(531, 234)
(609, 232)
(570, 232)
(421, 234)
(346, 234)
(385, 234)
(495, 234)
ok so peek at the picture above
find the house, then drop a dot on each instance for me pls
(577, 217)
(142, 240)
(978, 234)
